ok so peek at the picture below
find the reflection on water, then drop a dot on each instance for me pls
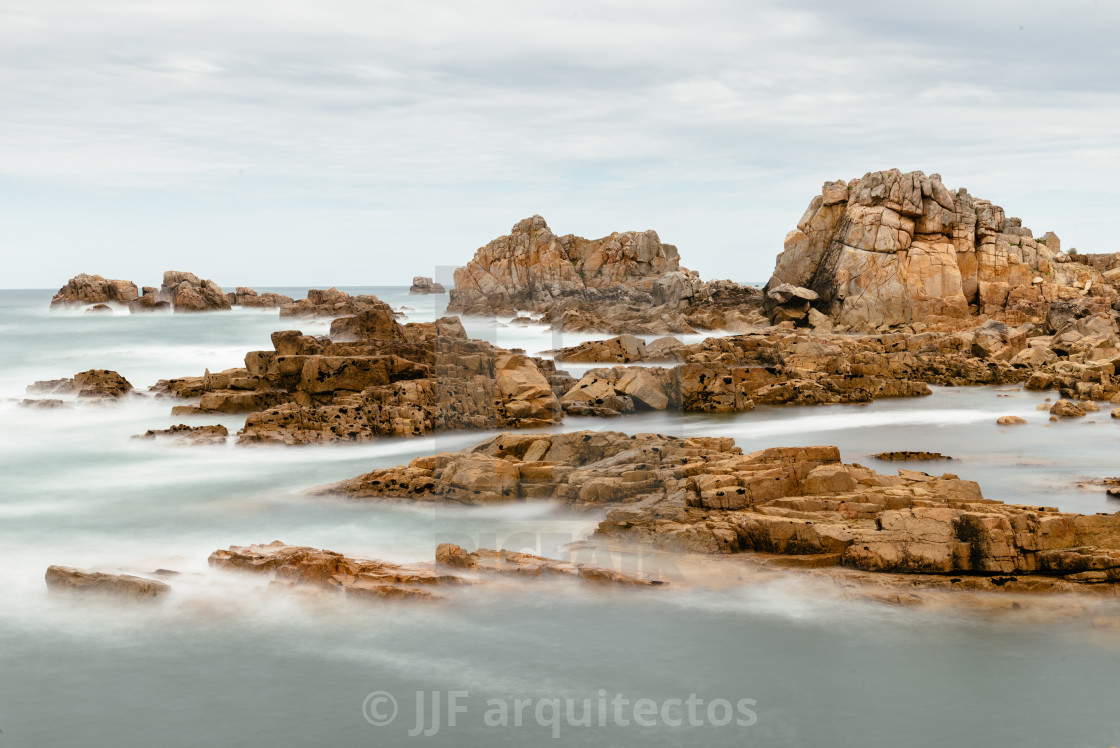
(225, 661)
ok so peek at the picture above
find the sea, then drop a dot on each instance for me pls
(770, 660)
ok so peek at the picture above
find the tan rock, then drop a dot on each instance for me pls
(69, 579)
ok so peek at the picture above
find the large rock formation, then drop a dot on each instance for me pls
(629, 282)
(330, 303)
(93, 289)
(891, 248)
(375, 377)
(704, 495)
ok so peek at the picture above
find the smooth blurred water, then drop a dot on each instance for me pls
(225, 661)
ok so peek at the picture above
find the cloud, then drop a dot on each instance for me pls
(363, 142)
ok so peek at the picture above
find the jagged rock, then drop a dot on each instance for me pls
(93, 289)
(705, 495)
(892, 248)
(193, 435)
(331, 303)
(292, 566)
(68, 579)
(247, 297)
(628, 281)
(189, 293)
(95, 383)
(423, 285)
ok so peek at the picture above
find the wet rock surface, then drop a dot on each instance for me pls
(704, 495)
(92, 384)
(184, 434)
(70, 580)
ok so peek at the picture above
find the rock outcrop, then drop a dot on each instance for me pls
(92, 384)
(247, 297)
(292, 566)
(331, 303)
(625, 282)
(192, 435)
(189, 293)
(93, 289)
(422, 285)
(68, 579)
(374, 377)
(704, 495)
(893, 248)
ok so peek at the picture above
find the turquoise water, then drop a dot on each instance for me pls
(224, 661)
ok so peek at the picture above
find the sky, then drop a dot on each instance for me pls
(338, 142)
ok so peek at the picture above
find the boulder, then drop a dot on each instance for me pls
(1010, 421)
(189, 293)
(1066, 409)
(92, 384)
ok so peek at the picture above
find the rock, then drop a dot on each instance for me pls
(192, 435)
(331, 303)
(1066, 409)
(100, 309)
(301, 566)
(1115, 413)
(1010, 421)
(67, 579)
(627, 281)
(908, 455)
(189, 293)
(95, 383)
(93, 289)
(622, 350)
(46, 403)
(704, 495)
(424, 285)
(247, 297)
(893, 248)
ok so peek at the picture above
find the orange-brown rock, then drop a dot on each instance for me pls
(422, 285)
(184, 434)
(626, 282)
(247, 297)
(705, 495)
(189, 293)
(92, 384)
(93, 289)
(68, 579)
(892, 248)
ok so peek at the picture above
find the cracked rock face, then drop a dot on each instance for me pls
(704, 495)
(892, 247)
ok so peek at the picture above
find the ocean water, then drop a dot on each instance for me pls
(226, 661)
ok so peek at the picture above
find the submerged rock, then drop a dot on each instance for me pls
(910, 455)
(184, 434)
(68, 579)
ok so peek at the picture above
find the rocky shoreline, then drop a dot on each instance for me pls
(889, 284)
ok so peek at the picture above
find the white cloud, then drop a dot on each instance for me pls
(363, 142)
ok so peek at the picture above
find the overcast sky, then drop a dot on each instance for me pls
(362, 142)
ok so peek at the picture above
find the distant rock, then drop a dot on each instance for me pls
(100, 309)
(247, 297)
(909, 455)
(93, 289)
(192, 435)
(189, 293)
(68, 579)
(627, 282)
(95, 383)
(1010, 421)
(330, 303)
(422, 284)
(47, 403)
